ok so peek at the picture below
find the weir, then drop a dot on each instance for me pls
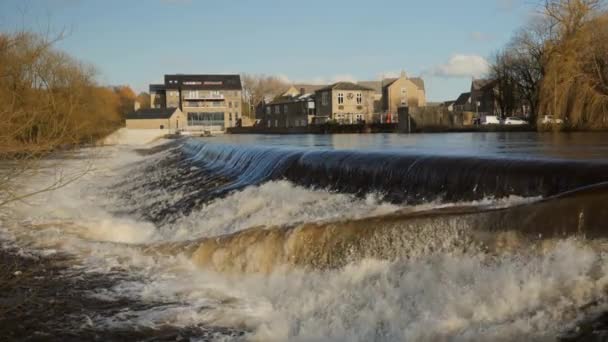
(399, 177)
(197, 172)
(581, 213)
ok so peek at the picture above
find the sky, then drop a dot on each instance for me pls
(133, 42)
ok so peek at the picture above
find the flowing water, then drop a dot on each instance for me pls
(345, 238)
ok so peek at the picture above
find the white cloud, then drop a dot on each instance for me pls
(284, 78)
(389, 74)
(317, 80)
(332, 79)
(460, 65)
(344, 78)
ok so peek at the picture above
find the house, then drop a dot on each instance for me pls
(402, 91)
(483, 97)
(297, 110)
(299, 89)
(210, 102)
(377, 96)
(344, 102)
(448, 105)
(171, 119)
(463, 103)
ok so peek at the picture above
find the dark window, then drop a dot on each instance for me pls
(206, 119)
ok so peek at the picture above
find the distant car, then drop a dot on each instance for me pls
(491, 120)
(550, 120)
(515, 121)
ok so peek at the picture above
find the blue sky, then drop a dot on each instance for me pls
(137, 42)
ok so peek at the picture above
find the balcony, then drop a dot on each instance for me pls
(193, 95)
(204, 104)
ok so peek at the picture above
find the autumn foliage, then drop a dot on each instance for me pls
(49, 100)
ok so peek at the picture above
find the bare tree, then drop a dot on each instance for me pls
(257, 88)
(574, 86)
(49, 101)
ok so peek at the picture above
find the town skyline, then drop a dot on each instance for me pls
(301, 42)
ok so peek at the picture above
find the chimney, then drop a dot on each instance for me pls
(136, 106)
(403, 74)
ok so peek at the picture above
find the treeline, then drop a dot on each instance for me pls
(49, 99)
(558, 65)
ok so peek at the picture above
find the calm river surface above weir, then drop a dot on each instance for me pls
(577, 145)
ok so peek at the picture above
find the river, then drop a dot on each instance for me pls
(459, 237)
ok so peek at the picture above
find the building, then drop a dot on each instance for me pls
(300, 89)
(297, 110)
(344, 102)
(171, 119)
(210, 102)
(448, 105)
(483, 97)
(402, 91)
(376, 86)
(463, 103)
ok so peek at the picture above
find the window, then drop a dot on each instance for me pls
(229, 104)
(340, 98)
(277, 109)
(285, 109)
(276, 123)
(215, 93)
(269, 124)
(403, 91)
(325, 99)
(236, 104)
(206, 119)
(230, 116)
(268, 110)
(359, 98)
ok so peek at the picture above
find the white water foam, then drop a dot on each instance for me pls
(436, 296)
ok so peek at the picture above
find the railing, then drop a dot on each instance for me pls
(203, 96)
(203, 104)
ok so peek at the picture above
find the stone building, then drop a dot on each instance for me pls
(402, 91)
(210, 102)
(289, 110)
(344, 102)
(170, 119)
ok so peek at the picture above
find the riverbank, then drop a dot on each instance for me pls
(376, 128)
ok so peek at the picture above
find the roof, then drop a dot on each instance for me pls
(204, 82)
(309, 88)
(388, 81)
(151, 113)
(345, 86)
(290, 99)
(448, 103)
(375, 85)
(418, 82)
(462, 99)
(481, 83)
